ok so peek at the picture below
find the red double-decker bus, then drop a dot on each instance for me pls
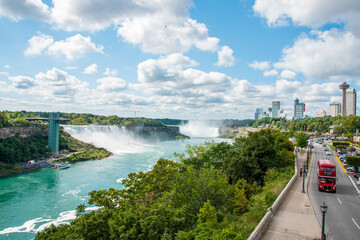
(326, 175)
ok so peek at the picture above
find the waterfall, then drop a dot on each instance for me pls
(199, 128)
(115, 139)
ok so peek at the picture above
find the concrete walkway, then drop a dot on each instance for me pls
(295, 218)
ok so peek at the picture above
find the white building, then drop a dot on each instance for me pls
(335, 109)
(321, 113)
(350, 101)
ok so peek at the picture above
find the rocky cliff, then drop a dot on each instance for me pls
(160, 133)
(24, 132)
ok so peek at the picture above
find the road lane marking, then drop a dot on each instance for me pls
(340, 164)
(339, 200)
(354, 184)
(355, 223)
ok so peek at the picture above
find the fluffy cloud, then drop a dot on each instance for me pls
(7, 66)
(18, 9)
(109, 72)
(166, 76)
(38, 44)
(265, 65)
(285, 86)
(325, 55)
(208, 44)
(22, 82)
(93, 68)
(287, 74)
(111, 84)
(271, 72)
(313, 13)
(225, 57)
(74, 47)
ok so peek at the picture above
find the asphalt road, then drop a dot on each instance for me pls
(342, 219)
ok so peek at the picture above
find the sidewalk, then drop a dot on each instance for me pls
(295, 218)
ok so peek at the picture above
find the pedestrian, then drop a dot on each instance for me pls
(301, 170)
(306, 171)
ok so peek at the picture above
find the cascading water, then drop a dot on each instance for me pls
(199, 128)
(115, 139)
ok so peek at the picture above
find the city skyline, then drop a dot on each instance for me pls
(173, 59)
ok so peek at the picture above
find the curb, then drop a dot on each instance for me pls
(262, 225)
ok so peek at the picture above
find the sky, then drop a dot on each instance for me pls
(184, 59)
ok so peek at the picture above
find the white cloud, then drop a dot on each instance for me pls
(265, 65)
(7, 66)
(157, 26)
(109, 72)
(225, 57)
(271, 72)
(4, 73)
(22, 82)
(325, 55)
(287, 74)
(70, 68)
(166, 76)
(38, 44)
(111, 84)
(74, 47)
(19, 9)
(93, 68)
(208, 44)
(312, 13)
(286, 86)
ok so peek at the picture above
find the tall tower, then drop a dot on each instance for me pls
(343, 87)
(351, 101)
(275, 108)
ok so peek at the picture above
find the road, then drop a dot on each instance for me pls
(343, 216)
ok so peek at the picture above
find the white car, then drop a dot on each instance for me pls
(328, 153)
(358, 181)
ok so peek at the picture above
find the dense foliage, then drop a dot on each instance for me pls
(215, 191)
(317, 124)
(301, 140)
(353, 161)
(4, 120)
(16, 149)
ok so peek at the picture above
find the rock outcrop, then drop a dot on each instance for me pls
(24, 132)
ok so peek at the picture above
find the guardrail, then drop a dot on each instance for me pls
(261, 227)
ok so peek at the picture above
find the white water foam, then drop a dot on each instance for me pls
(199, 128)
(113, 138)
(31, 225)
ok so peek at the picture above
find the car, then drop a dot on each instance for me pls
(342, 158)
(357, 175)
(350, 168)
(325, 148)
(358, 181)
(328, 153)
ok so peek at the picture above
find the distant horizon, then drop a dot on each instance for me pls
(173, 59)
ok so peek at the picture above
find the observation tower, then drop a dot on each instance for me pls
(343, 87)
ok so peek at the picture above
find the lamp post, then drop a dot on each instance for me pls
(304, 173)
(323, 209)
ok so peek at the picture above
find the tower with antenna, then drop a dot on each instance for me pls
(343, 87)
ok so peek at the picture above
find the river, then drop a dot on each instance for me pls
(32, 201)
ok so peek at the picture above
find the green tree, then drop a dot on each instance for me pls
(301, 140)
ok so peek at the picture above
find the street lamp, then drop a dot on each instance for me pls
(323, 209)
(304, 173)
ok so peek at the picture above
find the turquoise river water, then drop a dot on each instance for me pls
(32, 201)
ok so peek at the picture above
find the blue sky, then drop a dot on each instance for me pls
(176, 58)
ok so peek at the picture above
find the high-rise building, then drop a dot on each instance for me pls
(258, 113)
(350, 101)
(275, 108)
(299, 109)
(343, 86)
(335, 109)
(321, 113)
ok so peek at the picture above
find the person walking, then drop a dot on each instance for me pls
(301, 171)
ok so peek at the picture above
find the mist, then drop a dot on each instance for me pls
(115, 139)
(199, 128)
